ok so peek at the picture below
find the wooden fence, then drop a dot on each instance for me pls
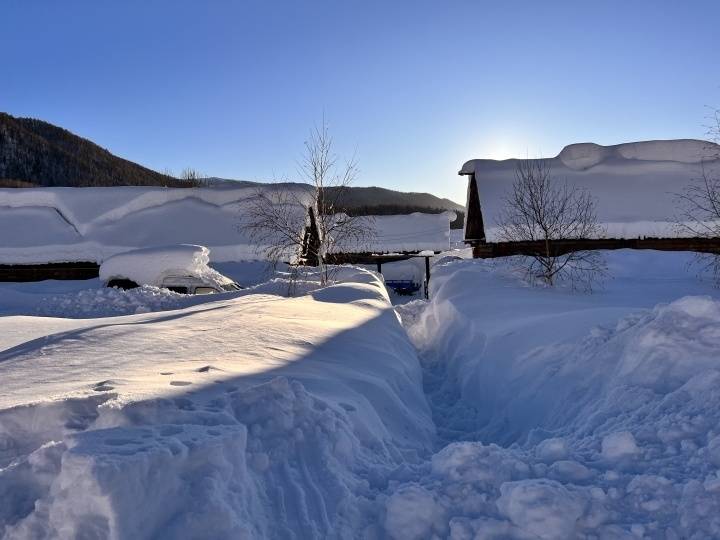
(40, 272)
(489, 250)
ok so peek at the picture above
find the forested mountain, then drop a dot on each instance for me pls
(377, 201)
(33, 152)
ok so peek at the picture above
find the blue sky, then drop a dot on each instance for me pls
(414, 88)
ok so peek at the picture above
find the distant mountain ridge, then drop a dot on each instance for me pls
(369, 197)
(37, 153)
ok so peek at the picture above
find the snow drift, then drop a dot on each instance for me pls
(568, 415)
(249, 417)
(635, 184)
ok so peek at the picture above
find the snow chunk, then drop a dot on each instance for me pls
(411, 512)
(541, 507)
(551, 450)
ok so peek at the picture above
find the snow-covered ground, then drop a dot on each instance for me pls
(255, 416)
(562, 414)
(501, 410)
(90, 298)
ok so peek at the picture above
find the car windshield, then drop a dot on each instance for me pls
(205, 290)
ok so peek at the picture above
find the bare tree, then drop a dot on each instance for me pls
(192, 178)
(541, 211)
(699, 204)
(322, 228)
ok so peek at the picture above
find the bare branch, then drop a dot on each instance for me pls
(284, 235)
(537, 209)
(699, 203)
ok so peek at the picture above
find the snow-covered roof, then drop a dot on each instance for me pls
(401, 233)
(634, 184)
(39, 225)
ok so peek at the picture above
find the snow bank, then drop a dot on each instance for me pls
(248, 417)
(634, 183)
(568, 415)
(69, 224)
(150, 266)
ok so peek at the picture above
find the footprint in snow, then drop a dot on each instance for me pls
(180, 383)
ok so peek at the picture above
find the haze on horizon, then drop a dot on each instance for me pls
(414, 88)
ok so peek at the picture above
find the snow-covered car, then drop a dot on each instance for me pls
(180, 268)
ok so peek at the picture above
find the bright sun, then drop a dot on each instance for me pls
(499, 148)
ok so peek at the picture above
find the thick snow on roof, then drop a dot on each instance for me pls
(635, 184)
(149, 266)
(409, 232)
(40, 225)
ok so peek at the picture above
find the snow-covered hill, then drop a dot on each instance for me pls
(635, 184)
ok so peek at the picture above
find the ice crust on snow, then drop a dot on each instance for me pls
(635, 185)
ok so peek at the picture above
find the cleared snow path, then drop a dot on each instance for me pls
(563, 415)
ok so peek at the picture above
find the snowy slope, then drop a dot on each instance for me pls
(634, 183)
(565, 415)
(89, 224)
(257, 416)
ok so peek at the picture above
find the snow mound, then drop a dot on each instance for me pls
(244, 417)
(150, 266)
(683, 150)
(583, 155)
(569, 415)
(109, 301)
